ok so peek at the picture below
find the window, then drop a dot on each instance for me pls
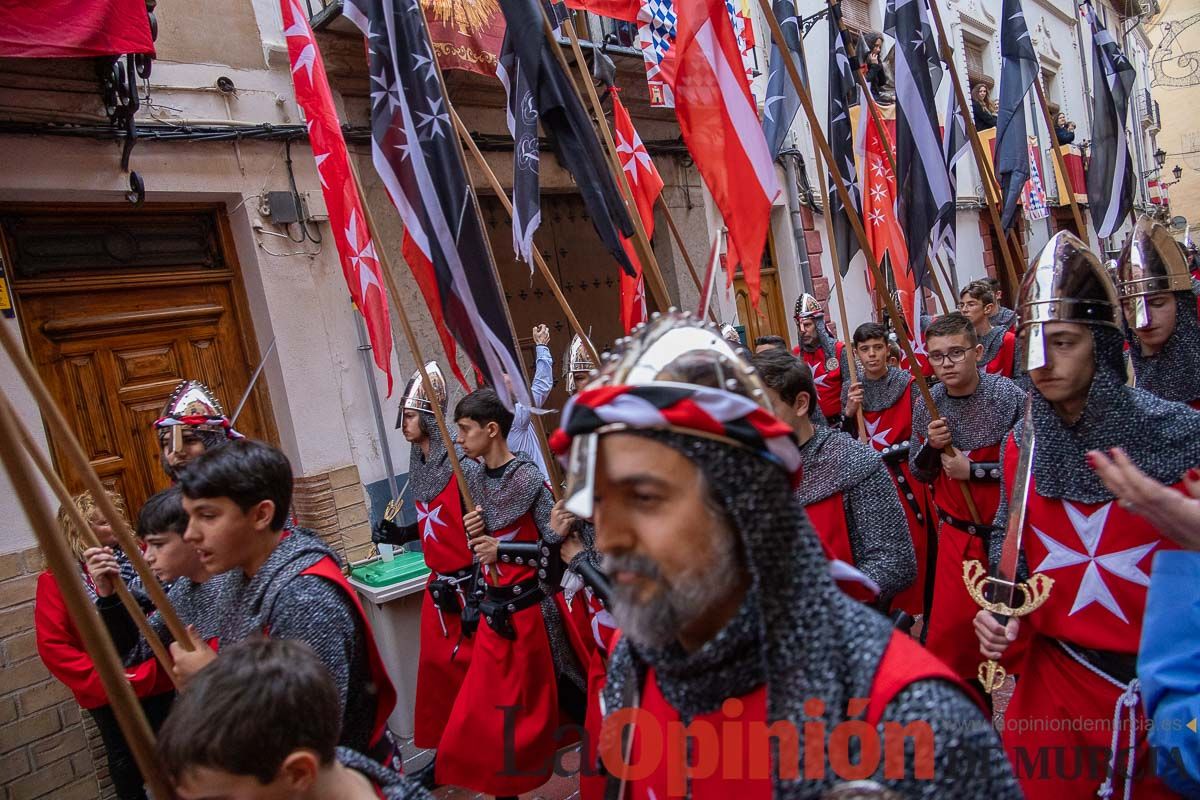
(857, 14)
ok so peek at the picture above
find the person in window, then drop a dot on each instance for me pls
(878, 76)
(983, 110)
(1064, 130)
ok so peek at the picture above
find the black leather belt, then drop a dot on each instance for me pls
(895, 453)
(444, 589)
(1121, 667)
(501, 602)
(974, 528)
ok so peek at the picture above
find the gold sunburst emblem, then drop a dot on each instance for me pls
(465, 16)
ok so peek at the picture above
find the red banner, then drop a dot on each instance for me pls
(466, 34)
(74, 29)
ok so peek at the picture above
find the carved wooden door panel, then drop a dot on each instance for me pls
(111, 347)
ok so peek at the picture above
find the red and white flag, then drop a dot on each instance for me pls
(360, 265)
(719, 121)
(646, 185)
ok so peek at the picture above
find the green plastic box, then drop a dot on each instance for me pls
(404, 567)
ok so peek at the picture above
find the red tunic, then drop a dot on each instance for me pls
(1002, 362)
(485, 748)
(1099, 556)
(441, 670)
(733, 763)
(63, 653)
(603, 632)
(828, 518)
(892, 426)
(828, 381)
(951, 634)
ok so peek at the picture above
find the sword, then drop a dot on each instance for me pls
(237, 412)
(1005, 587)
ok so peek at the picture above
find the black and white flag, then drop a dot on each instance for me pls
(539, 90)
(782, 104)
(955, 145)
(521, 111)
(1018, 71)
(840, 133)
(415, 151)
(1110, 173)
(925, 204)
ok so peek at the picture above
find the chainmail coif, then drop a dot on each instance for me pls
(805, 638)
(427, 477)
(882, 393)
(1174, 372)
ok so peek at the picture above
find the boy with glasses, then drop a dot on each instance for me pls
(977, 410)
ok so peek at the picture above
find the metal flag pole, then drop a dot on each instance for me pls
(262, 362)
(821, 144)
(414, 347)
(385, 449)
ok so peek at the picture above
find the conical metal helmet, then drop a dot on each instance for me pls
(808, 307)
(192, 405)
(1067, 283)
(577, 359)
(1150, 263)
(414, 396)
(681, 356)
(730, 333)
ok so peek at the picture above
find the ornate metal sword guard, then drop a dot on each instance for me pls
(1033, 592)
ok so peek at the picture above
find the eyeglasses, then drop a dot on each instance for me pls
(954, 356)
(969, 305)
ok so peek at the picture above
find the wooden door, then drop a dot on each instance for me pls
(116, 309)
(770, 319)
(585, 271)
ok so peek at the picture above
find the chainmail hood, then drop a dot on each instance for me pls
(1162, 438)
(427, 477)
(980, 419)
(508, 496)
(992, 341)
(880, 394)
(1174, 372)
(833, 461)
(796, 630)
(1004, 319)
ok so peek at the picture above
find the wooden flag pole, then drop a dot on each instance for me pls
(821, 144)
(1059, 162)
(42, 462)
(851, 362)
(885, 140)
(551, 463)
(83, 469)
(494, 183)
(982, 161)
(657, 284)
(414, 347)
(62, 565)
(687, 259)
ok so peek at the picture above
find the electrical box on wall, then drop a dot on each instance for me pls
(283, 208)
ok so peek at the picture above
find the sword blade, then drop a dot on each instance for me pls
(1004, 591)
